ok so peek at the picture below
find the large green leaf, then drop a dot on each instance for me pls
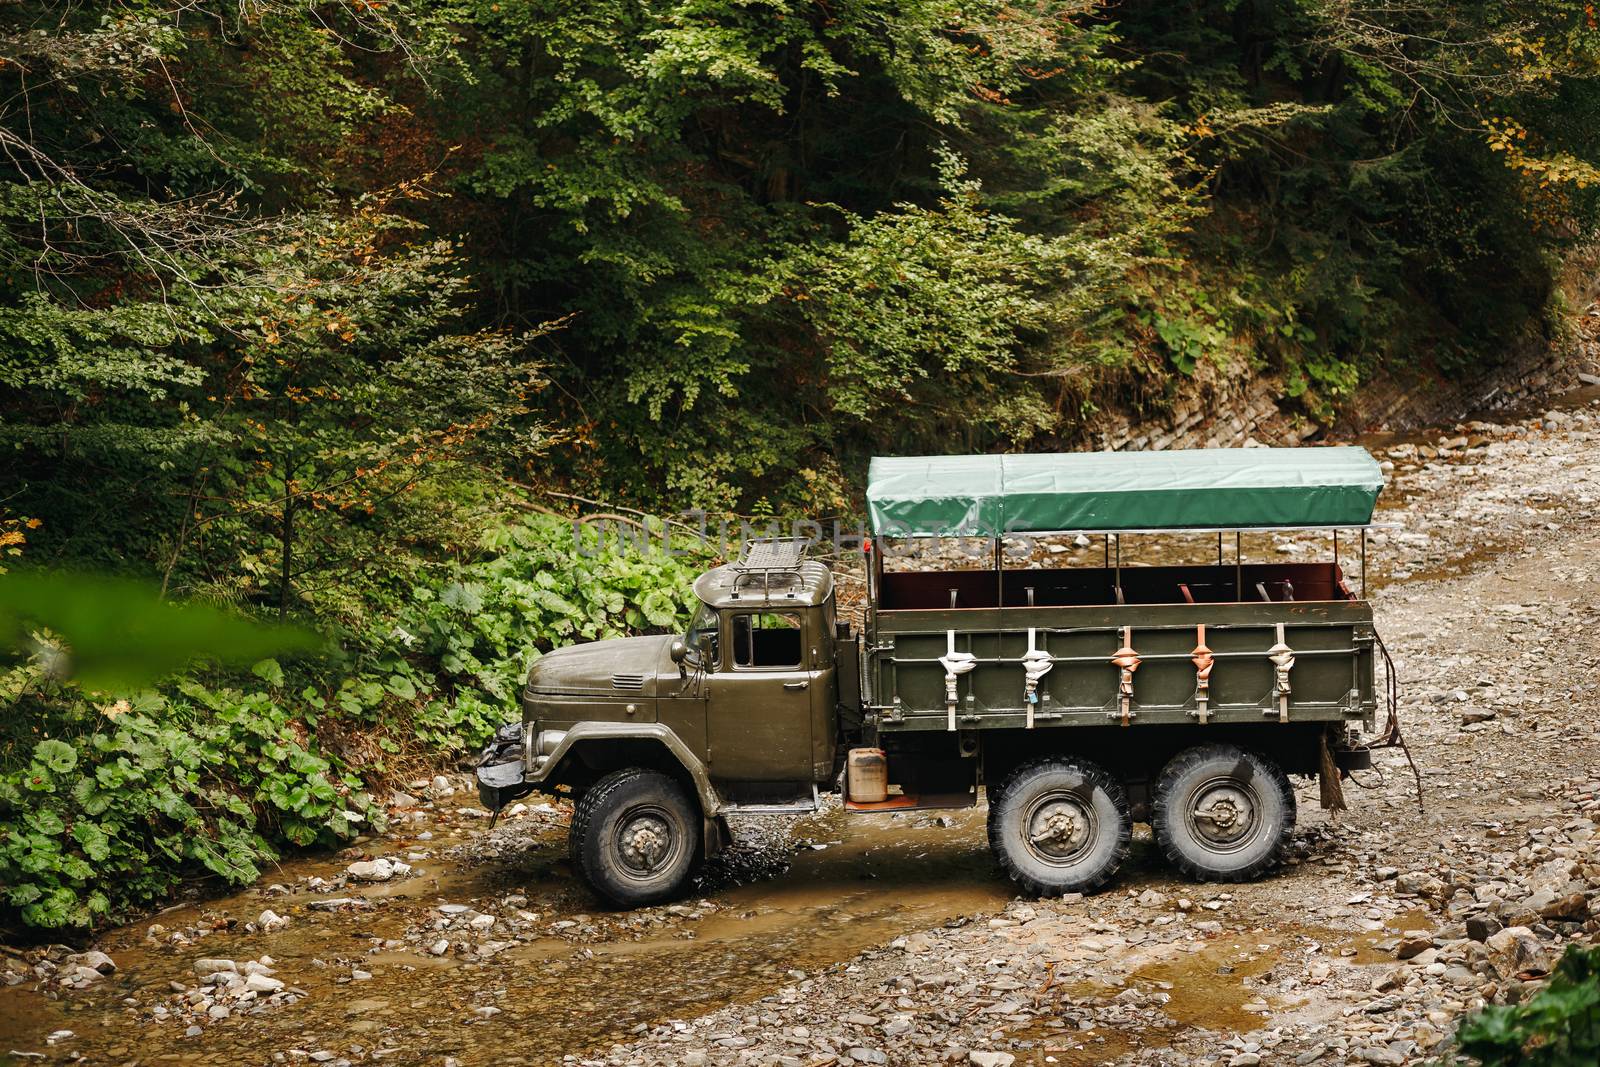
(56, 755)
(96, 845)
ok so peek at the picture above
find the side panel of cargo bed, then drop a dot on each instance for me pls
(1331, 679)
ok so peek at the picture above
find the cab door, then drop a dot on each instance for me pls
(758, 715)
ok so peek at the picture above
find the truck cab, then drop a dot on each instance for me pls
(740, 713)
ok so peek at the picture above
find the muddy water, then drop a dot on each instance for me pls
(852, 882)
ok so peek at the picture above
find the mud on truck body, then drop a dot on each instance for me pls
(1077, 699)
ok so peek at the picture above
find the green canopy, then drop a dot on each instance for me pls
(1203, 488)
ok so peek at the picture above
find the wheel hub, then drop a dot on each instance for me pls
(644, 842)
(1224, 813)
(1060, 828)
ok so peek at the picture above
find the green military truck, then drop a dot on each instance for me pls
(1079, 699)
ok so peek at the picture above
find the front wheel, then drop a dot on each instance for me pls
(1223, 814)
(636, 836)
(1060, 825)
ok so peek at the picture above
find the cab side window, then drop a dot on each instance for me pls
(767, 639)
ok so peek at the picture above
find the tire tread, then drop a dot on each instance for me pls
(589, 805)
(1102, 778)
(1191, 867)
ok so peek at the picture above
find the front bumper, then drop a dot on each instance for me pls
(501, 774)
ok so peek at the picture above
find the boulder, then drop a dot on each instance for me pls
(1515, 951)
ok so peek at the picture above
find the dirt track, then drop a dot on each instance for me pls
(892, 939)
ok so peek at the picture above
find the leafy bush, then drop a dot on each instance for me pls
(466, 637)
(1558, 1027)
(133, 794)
(106, 803)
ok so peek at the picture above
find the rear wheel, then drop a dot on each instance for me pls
(1060, 825)
(636, 837)
(1223, 814)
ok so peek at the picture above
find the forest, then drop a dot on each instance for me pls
(325, 313)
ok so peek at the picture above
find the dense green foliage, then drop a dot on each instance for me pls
(301, 298)
(269, 262)
(106, 801)
(1559, 1026)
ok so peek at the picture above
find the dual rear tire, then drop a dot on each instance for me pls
(1064, 825)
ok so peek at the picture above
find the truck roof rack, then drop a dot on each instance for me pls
(766, 562)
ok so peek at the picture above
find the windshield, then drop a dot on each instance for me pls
(702, 632)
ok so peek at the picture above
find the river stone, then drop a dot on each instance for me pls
(207, 967)
(1413, 943)
(335, 903)
(1573, 907)
(1419, 882)
(1516, 950)
(98, 960)
(262, 983)
(990, 1059)
(379, 870)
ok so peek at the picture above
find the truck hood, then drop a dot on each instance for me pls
(624, 668)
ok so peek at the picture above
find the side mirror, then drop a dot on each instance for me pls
(678, 650)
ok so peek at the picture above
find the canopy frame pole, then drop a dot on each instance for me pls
(999, 572)
(1335, 548)
(1219, 548)
(874, 586)
(1117, 588)
(1238, 567)
(1363, 563)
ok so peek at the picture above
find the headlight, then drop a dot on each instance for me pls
(541, 745)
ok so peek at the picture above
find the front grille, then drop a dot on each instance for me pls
(627, 681)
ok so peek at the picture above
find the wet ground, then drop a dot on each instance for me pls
(841, 883)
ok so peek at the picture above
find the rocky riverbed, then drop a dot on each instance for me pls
(891, 939)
